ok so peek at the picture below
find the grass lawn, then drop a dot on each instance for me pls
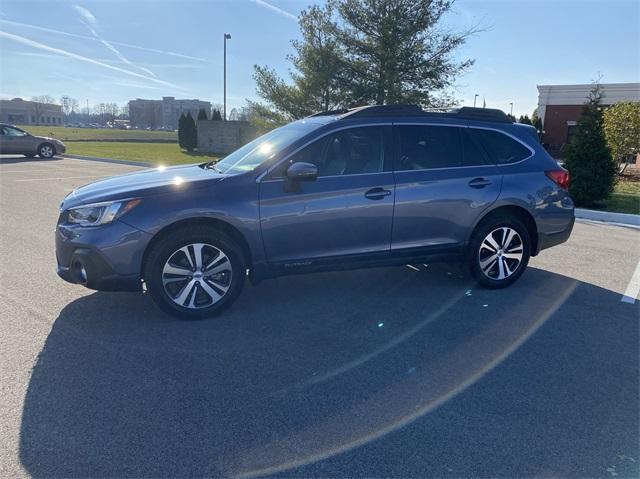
(625, 198)
(154, 153)
(65, 134)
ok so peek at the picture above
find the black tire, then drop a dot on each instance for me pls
(167, 248)
(46, 151)
(478, 252)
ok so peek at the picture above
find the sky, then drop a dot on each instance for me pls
(117, 50)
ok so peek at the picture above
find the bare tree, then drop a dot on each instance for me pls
(69, 105)
(44, 99)
(38, 105)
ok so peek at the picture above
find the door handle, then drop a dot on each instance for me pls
(479, 183)
(377, 193)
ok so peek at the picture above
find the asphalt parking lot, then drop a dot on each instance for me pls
(394, 372)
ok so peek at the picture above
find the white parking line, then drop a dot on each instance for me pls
(633, 287)
(60, 178)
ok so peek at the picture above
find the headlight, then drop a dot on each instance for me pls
(99, 213)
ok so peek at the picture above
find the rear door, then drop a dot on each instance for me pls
(444, 182)
(347, 210)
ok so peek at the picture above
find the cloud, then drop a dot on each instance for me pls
(59, 51)
(278, 10)
(87, 37)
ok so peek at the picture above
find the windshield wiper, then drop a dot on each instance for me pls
(212, 166)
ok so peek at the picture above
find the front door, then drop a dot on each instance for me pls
(347, 210)
(443, 184)
(13, 140)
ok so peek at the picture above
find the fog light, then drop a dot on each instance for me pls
(83, 274)
(80, 272)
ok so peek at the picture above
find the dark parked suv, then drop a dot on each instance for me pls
(371, 186)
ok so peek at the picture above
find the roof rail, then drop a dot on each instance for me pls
(339, 111)
(464, 113)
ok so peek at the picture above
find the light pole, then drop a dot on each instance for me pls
(511, 112)
(475, 97)
(227, 36)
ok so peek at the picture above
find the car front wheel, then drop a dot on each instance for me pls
(46, 150)
(499, 252)
(195, 273)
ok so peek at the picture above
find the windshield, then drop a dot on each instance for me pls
(263, 148)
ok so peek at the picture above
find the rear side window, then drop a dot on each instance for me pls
(500, 148)
(473, 154)
(427, 147)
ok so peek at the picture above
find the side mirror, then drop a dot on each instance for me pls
(302, 172)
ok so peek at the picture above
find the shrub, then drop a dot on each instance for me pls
(181, 131)
(190, 133)
(588, 158)
(622, 129)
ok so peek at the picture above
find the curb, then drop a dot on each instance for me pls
(109, 160)
(608, 217)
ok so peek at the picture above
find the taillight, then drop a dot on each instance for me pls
(559, 177)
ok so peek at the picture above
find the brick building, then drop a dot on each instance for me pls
(163, 113)
(22, 112)
(560, 107)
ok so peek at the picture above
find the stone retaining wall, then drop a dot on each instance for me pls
(217, 136)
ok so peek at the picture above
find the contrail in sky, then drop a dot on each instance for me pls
(91, 23)
(47, 48)
(87, 37)
(278, 10)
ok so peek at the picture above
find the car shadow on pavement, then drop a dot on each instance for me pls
(383, 372)
(10, 160)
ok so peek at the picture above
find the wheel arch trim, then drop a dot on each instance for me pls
(519, 211)
(222, 225)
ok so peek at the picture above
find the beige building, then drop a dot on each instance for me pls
(163, 113)
(23, 112)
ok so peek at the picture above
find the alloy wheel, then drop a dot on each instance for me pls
(500, 253)
(197, 276)
(46, 151)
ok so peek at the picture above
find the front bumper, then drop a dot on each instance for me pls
(60, 148)
(105, 258)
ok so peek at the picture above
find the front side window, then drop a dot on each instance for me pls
(8, 131)
(352, 151)
(500, 148)
(428, 147)
(263, 148)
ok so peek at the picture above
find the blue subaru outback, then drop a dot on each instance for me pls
(370, 186)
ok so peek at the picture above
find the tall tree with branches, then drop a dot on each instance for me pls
(356, 52)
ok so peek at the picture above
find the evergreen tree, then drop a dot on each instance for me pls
(588, 158)
(202, 115)
(216, 115)
(356, 52)
(511, 117)
(181, 131)
(524, 119)
(536, 121)
(190, 133)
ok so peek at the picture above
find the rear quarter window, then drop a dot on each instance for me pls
(500, 148)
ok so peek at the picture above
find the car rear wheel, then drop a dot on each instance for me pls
(46, 150)
(195, 273)
(499, 252)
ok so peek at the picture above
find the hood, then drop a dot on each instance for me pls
(152, 181)
(48, 138)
